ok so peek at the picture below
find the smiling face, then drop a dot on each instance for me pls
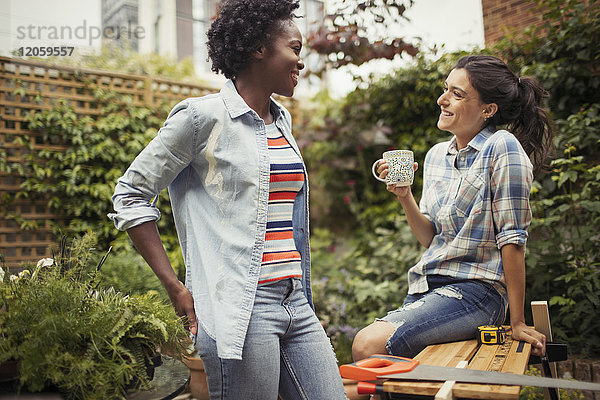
(281, 61)
(462, 111)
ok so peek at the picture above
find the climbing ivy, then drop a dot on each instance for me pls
(76, 170)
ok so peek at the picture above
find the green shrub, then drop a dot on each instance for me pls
(361, 244)
(563, 259)
(563, 53)
(127, 272)
(77, 183)
(341, 141)
(80, 180)
(537, 393)
(66, 333)
(562, 256)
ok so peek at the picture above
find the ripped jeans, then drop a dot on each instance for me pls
(451, 310)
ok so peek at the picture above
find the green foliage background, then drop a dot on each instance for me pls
(362, 246)
(564, 251)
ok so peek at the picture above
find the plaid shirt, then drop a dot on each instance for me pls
(477, 199)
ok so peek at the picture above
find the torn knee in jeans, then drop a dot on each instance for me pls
(395, 325)
(449, 291)
(396, 319)
(388, 343)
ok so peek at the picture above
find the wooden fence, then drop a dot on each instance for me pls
(29, 85)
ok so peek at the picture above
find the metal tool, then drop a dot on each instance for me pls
(391, 367)
(490, 334)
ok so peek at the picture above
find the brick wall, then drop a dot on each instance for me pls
(581, 370)
(502, 16)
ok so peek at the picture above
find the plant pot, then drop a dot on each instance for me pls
(9, 370)
(9, 375)
(151, 361)
(198, 384)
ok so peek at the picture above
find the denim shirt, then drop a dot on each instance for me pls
(212, 154)
(477, 199)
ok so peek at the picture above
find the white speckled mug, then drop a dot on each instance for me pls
(400, 167)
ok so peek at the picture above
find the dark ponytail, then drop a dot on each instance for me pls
(519, 103)
(533, 127)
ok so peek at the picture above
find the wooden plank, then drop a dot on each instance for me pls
(446, 391)
(541, 322)
(446, 354)
(512, 357)
(541, 318)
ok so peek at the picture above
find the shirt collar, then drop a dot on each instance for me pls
(236, 106)
(476, 143)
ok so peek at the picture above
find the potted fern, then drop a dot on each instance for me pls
(66, 332)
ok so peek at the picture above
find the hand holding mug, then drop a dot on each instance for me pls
(396, 169)
(400, 168)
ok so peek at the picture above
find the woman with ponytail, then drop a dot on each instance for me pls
(473, 215)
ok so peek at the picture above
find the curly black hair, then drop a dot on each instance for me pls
(240, 27)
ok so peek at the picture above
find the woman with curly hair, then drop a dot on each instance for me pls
(239, 195)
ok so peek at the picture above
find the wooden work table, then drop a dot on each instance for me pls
(512, 356)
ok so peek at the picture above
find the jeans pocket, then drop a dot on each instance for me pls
(494, 303)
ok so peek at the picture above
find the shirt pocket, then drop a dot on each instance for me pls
(469, 196)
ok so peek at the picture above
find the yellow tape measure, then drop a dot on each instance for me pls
(490, 334)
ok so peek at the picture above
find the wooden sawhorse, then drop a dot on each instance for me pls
(511, 356)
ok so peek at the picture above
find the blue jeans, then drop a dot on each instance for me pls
(286, 352)
(450, 311)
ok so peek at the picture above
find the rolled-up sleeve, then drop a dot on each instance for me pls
(512, 178)
(134, 200)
